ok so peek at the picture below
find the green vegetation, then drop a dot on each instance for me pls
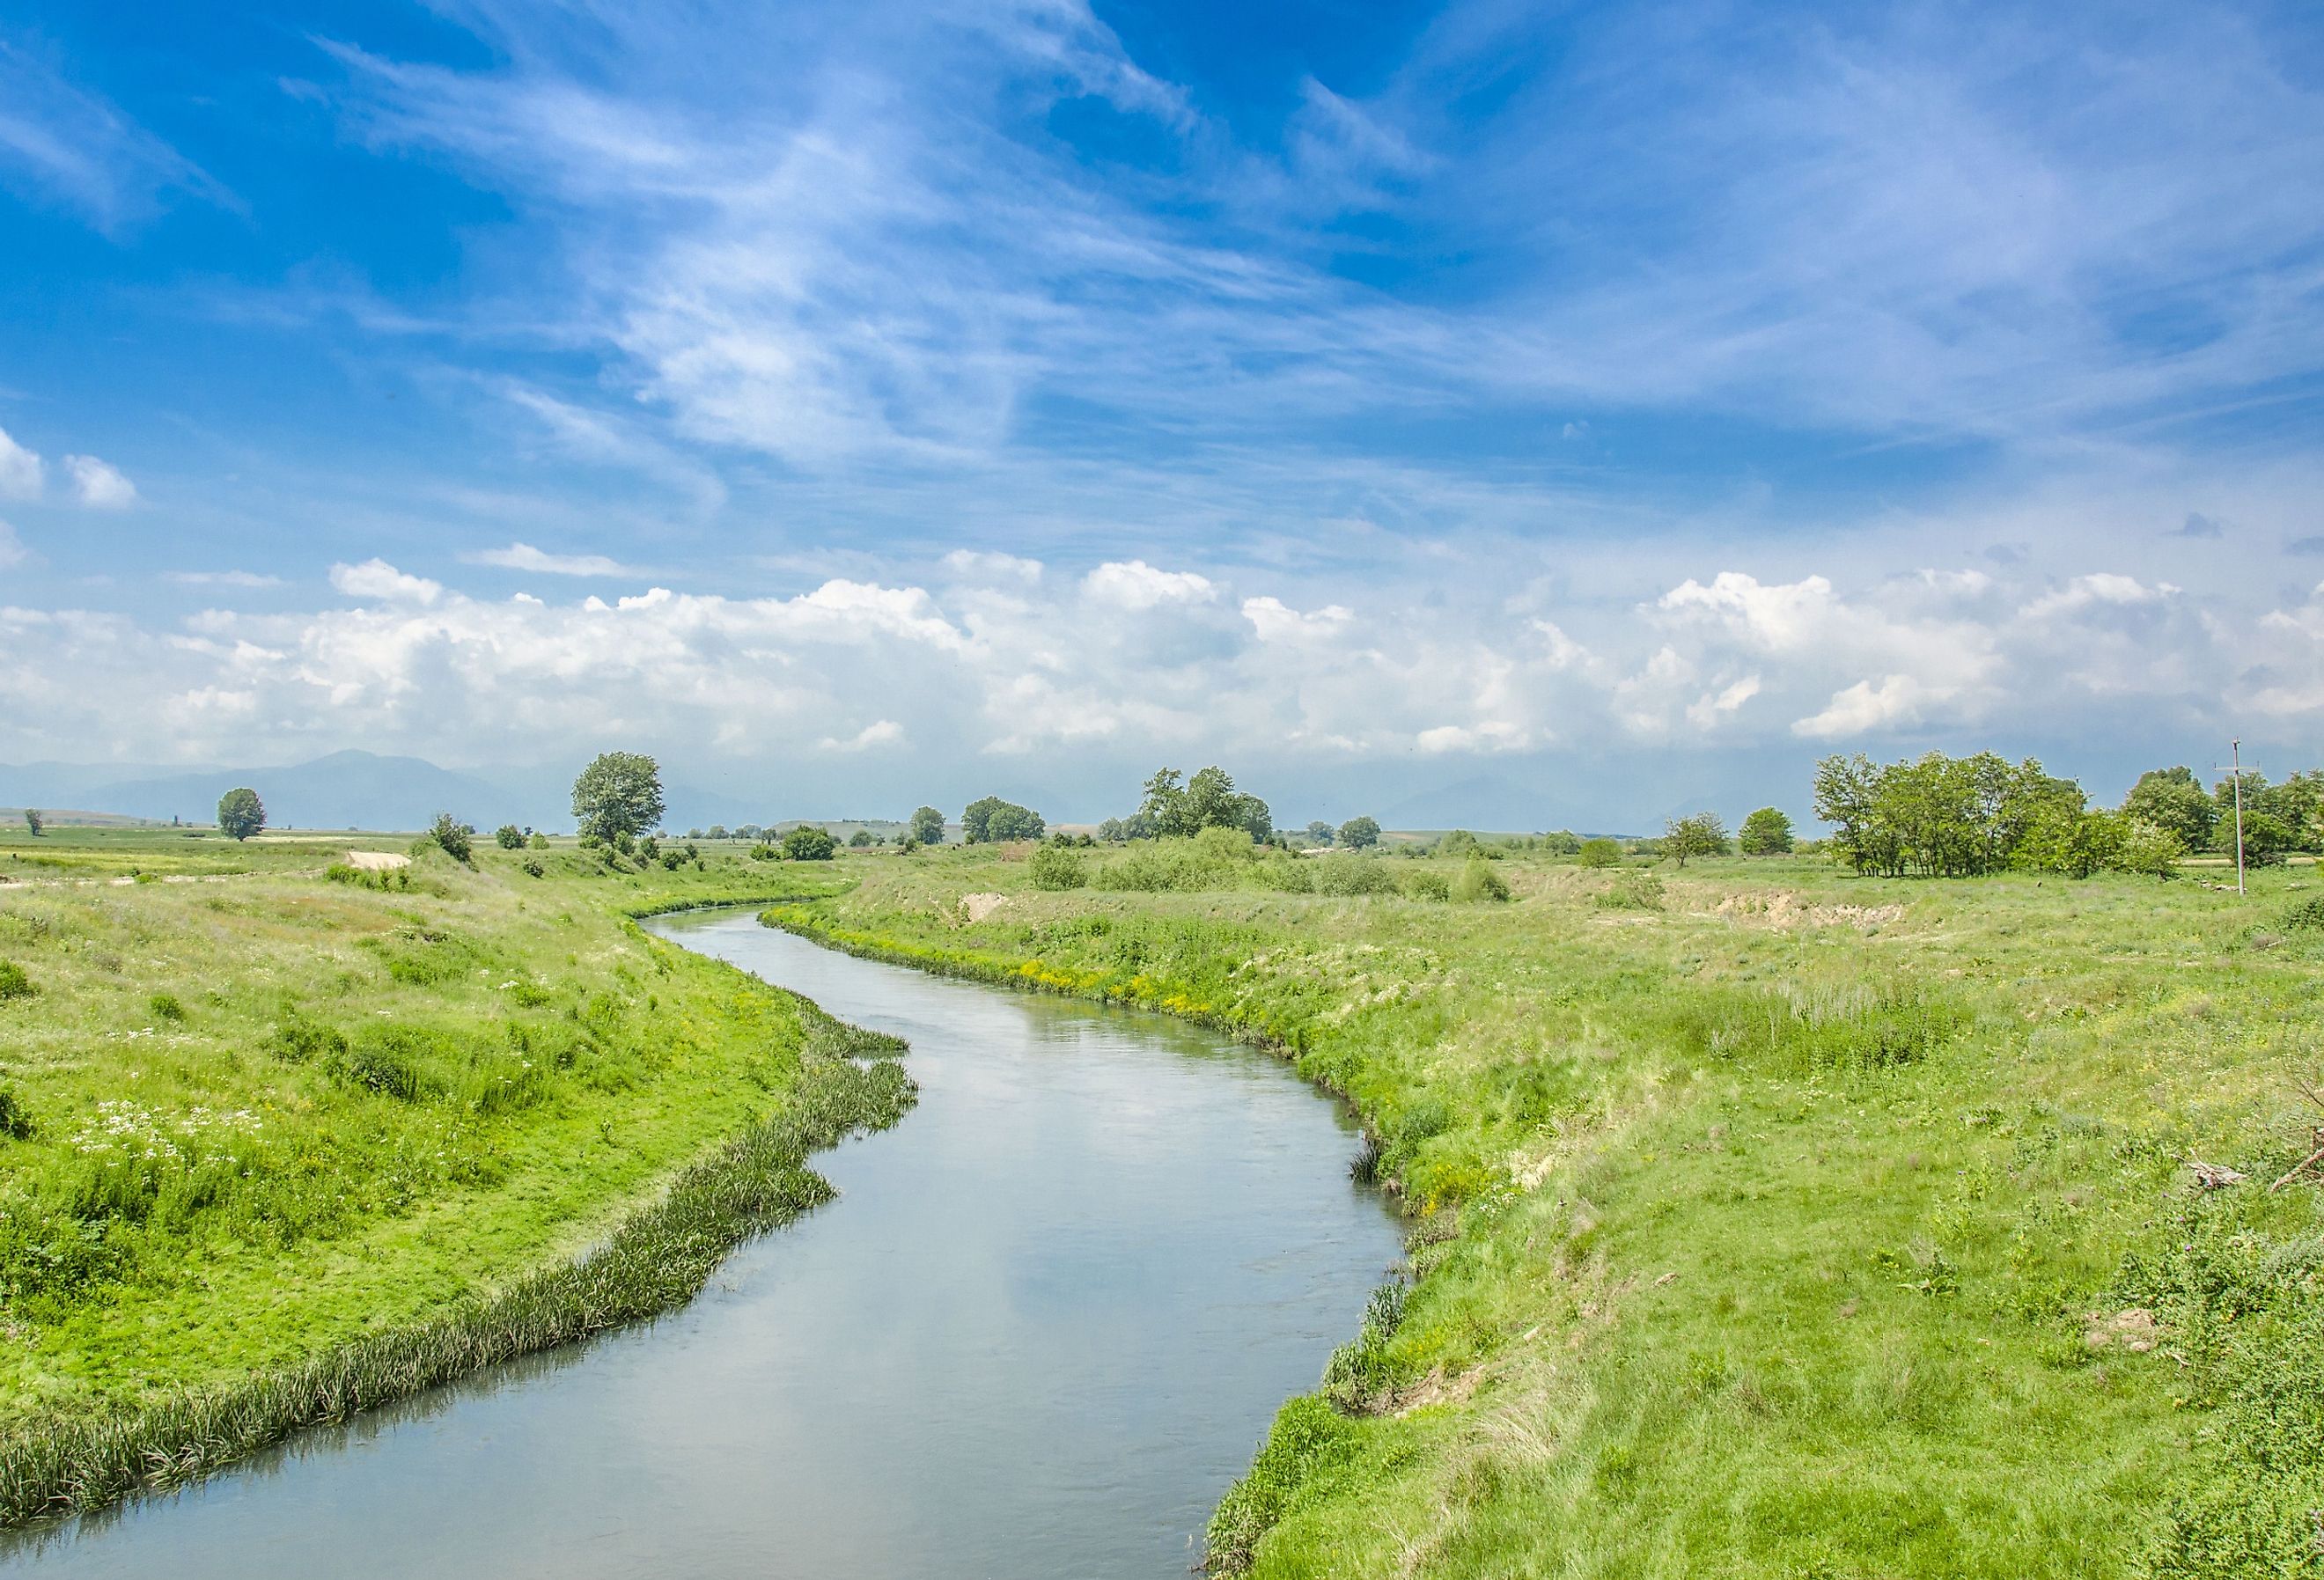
(33, 824)
(1765, 832)
(992, 820)
(1359, 833)
(1600, 852)
(618, 797)
(1764, 1220)
(1207, 800)
(927, 825)
(240, 814)
(1702, 834)
(290, 1129)
(808, 843)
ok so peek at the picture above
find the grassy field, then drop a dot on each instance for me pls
(264, 1118)
(1764, 1221)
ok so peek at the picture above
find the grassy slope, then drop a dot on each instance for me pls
(364, 1107)
(1760, 1233)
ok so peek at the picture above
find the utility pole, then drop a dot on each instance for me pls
(2238, 774)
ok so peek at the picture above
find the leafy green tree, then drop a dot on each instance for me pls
(452, 835)
(1458, 842)
(808, 843)
(991, 820)
(1113, 831)
(1702, 834)
(1564, 842)
(1600, 852)
(241, 813)
(1359, 833)
(509, 837)
(929, 825)
(717, 831)
(2149, 851)
(860, 840)
(1319, 833)
(33, 820)
(1767, 832)
(618, 794)
(2171, 799)
(1207, 800)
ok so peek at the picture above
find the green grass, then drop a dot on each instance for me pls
(1775, 1223)
(273, 1144)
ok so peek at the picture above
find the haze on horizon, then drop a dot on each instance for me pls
(859, 406)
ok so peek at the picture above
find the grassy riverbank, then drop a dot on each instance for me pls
(1765, 1222)
(286, 1138)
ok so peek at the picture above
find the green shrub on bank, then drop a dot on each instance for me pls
(14, 983)
(1480, 883)
(1055, 867)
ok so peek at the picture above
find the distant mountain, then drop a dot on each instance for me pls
(347, 790)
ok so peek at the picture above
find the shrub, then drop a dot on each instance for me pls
(509, 837)
(1346, 876)
(14, 983)
(860, 840)
(649, 849)
(166, 1007)
(1479, 881)
(1427, 884)
(763, 851)
(808, 843)
(538, 842)
(531, 865)
(452, 836)
(15, 1123)
(2308, 915)
(1056, 867)
(1600, 852)
(1634, 892)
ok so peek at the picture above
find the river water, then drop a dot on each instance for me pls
(1039, 1334)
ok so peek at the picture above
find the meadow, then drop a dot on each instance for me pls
(1762, 1220)
(280, 1137)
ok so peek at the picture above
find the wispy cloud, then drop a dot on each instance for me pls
(63, 144)
(222, 579)
(21, 470)
(525, 556)
(98, 485)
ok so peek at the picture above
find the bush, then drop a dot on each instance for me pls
(1600, 852)
(763, 851)
(1346, 876)
(14, 983)
(452, 836)
(1479, 881)
(808, 843)
(532, 867)
(15, 1123)
(1634, 892)
(509, 837)
(2308, 915)
(1056, 867)
(1427, 884)
(166, 1007)
(538, 842)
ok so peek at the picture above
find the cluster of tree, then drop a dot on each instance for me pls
(992, 821)
(1207, 800)
(1962, 816)
(2277, 819)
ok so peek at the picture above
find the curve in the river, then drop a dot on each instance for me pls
(1039, 1333)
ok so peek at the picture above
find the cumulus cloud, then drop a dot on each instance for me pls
(525, 556)
(1136, 585)
(21, 471)
(98, 485)
(884, 732)
(377, 578)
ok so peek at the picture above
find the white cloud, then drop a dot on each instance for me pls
(886, 731)
(20, 472)
(2101, 587)
(1136, 585)
(972, 564)
(525, 556)
(222, 579)
(1275, 621)
(12, 547)
(98, 485)
(1865, 707)
(377, 578)
(1706, 710)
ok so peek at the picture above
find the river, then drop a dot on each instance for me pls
(1039, 1332)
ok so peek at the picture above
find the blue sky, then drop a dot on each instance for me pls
(880, 402)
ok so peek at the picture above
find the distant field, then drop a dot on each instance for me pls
(1765, 1221)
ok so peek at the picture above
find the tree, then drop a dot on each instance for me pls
(808, 843)
(1113, 831)
(241, 813)
(509, 837)
(1207, 800)
(33, 820)
(1357, 833)
(618, 794)
(991, 820)
(929, 825)
(452, 835)
(2171, 799)
(1767, 832)
(860, 840)
(1600, 852)
(1700, 834)
(1319, 832)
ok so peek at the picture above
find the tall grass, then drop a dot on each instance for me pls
(656, 1258)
